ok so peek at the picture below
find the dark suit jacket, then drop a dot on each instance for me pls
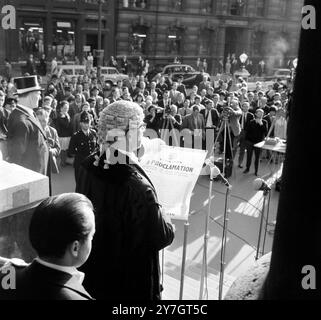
(188, 122)
(27, 141)
(215, 117)
(249, 118)
(38, 282)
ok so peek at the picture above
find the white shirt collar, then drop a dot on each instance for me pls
(71, 270)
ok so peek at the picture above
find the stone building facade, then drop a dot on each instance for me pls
(160, 30)
(58, 28)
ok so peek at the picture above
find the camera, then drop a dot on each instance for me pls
(226, 112)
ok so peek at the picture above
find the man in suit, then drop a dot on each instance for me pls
(31, 66)
(212, 120)
(61, 232)
(173, 93)
(186, 110)
(245, 119)
(233, 113)
(195, 123)
(166, 101)
(255, 133)
(52, 140)
(26, 139)
(181, 86)
(3, 116)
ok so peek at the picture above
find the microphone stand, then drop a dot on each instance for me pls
(223, 246)
(266, 192)
(206, 235)
(267, 220)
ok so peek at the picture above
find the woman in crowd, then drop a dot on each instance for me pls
(64, 129)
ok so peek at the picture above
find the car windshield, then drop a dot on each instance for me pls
(112, 71)
(178, 69)
(67, 72)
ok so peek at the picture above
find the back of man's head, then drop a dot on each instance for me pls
(58, 222)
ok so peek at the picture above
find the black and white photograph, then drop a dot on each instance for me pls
(156, 151)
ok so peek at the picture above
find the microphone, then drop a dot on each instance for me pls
(217, 173)
(261, 185)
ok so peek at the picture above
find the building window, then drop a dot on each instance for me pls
(141, 4)
(175, 40)
(285, 7)
(206, 6)
(258, 43)
(237, 7)
(63, 45)
(204, 42)
(138, 41)
(261, 8)
(176, 5)
(31, 38)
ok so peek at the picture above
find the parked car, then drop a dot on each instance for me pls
(157, 69)
(70, 71)
(190, 75)
(283, 74)
(112, 75)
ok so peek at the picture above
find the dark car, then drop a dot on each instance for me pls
(158, 69)
(191, 77)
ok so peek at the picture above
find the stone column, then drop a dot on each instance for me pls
(220, 46)
(248, 41)
(2, 48)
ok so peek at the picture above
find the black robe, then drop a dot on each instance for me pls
(130, 232)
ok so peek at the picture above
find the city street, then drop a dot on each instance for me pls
(244, 220)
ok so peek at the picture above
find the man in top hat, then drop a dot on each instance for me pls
(26, 138)
(83, 142)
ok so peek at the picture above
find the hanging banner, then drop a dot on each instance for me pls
(174, 172)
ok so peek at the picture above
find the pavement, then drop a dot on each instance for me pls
(244, 216)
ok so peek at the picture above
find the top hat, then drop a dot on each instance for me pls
(27, 84)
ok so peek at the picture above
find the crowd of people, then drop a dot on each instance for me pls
(77, 121)
(70, 109)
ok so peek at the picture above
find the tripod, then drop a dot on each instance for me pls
(225, 129)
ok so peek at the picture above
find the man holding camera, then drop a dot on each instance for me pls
(232, 113)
